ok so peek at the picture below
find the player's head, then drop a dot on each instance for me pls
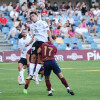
(34, 16)
(24, 32)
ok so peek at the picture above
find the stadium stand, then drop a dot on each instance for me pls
(54, 19)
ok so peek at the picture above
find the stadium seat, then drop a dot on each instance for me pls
(90, 39)
(23, 18)
(5, 30)
(74, 40)
(16, 36)
(51, 17)
(97, 28)
(12, 41)
(98, 22)
(86, 34)
(63, 46)
(56, 44)
(8, 18)
(79, 46)
(10, 24)
(98, 34)
(66, 40)
(75, 18)
(94, 46)
(15, 47)
(59, 40)
(77, 23)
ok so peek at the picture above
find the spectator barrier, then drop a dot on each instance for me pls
(14, 56)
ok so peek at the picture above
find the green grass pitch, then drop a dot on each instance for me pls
(83, 78)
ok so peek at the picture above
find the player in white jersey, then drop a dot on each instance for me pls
(23, 62)
(40, 31)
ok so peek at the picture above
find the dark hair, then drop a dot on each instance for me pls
(75, 43)
(33, 13)
(68, 45)
(63, 2)
(55, 2)
(77, 2)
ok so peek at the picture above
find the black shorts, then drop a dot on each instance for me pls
(23, 61)
(35, 47)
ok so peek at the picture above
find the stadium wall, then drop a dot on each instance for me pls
(72, 55)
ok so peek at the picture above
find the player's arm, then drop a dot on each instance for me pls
(19, 46)
(29, 42)
(50, 36)
(31, 31)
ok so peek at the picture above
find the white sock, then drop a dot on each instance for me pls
(31, 68)
(68, 88)
(21, 75)
(37, 69)
(50, 91)
(23, 70)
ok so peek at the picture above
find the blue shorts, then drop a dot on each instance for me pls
(51, 65)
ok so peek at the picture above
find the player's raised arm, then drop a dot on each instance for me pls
(30, 42)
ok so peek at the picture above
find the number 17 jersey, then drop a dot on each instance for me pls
(48, 51)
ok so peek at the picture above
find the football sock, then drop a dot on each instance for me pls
(48, 84)
(26, 86)
(68, 88)
(23, 70)
(37, 69)
(64, 82)
(31, 68)
(50, 91)
(21, 75)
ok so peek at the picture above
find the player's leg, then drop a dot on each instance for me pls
(47, 72)
(31, 66)
(26, 86)
(21, 73)
(48, 84)
(57, 71)
(38, 67)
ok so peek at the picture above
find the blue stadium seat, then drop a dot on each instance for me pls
(67, 40)
(98, 22)
(5, 30)
(79, 46)
(62, 47)
(90, 39)
(51, 17)
(8, 18)
(77, 23)
(23, 18)
(15, 47)
(74, 40)
(98, 34)
(16, 36)
(12, 41)
(75, 18)
(56, 44)
(97, 28)
(94, 46)
(86, 34)
(10, 25)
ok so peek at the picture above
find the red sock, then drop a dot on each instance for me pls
(48, 84)
(63, 80)
(41, 75)
(26, 86)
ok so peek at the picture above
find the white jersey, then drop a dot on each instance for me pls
(22, 44)
(39, 31)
